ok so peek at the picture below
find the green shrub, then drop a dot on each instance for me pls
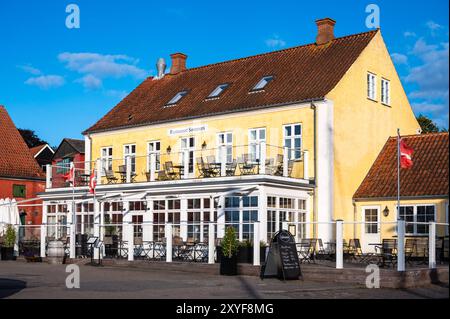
(229, 243)
(10, 237)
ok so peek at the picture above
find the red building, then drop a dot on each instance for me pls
(20, 175)
(70, 150)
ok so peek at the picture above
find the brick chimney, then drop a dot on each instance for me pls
(178, 63)
(325, 30)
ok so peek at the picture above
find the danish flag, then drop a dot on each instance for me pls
(92, 182)
(70, 176)
(405, 155)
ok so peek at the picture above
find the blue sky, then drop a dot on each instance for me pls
(59, 81)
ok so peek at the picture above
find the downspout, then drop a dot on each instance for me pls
(314, 108)
(355, 215)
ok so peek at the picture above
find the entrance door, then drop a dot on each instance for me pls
(188, 144)
(370, 229)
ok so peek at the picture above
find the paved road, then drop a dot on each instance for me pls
(41, 280)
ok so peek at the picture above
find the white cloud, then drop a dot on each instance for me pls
(102, 66)
(407, 34)
(117, 93)
(433, 26)
(46, 81)
(399, 58)
(90, 82)
(29, 69)
(275, 41)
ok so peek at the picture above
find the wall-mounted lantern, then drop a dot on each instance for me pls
(386, 212)
(204, 145)
(168, 149)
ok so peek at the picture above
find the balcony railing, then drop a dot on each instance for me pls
(252, 159)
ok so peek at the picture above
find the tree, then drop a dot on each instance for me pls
(427, 125)
(30, 137)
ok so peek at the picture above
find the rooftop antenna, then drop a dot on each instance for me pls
(161, 67)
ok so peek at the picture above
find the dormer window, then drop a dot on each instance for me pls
(218, 91)
(176, 98)
(262, 83)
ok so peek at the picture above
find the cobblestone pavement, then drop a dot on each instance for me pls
(41, 280)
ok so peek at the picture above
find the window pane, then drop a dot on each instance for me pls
(297, 129)
(287, 131)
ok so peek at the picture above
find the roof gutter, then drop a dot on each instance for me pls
(368, 199)
(312, 100)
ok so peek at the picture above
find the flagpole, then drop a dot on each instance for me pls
(398, 173)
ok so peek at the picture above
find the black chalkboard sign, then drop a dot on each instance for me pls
(282, 260)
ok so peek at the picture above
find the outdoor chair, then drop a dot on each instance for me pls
(356, 253)
(410, 249)
(231, 168)
(321, 252)
(422, 250)
(122, 251)
(138, 247)
(387, 252)
(304, 250)
(110, 178)
(123, 174)
(201, 167)
(442, 252)
(201, 252)
(170, 172)
(162, 176)
(159, 250)
(290, 167)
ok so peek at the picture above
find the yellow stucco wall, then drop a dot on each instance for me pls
(362, 126)
(387, 230)
(238, 123)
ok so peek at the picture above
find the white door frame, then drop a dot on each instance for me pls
(374, 238)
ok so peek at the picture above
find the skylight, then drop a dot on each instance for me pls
(262, 83)
(177, 98)
(218, 90)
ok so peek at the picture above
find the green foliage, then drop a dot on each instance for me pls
(10, 237)
(246, 243)
(31, 138)
(428, 126)
(229, 243)
(109, 230)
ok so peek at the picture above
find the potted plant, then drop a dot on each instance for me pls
(9, 240)
(229, 249)
(245, 252)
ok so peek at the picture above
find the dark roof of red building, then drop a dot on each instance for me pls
(35, 150)
(16, 159)
(301, 73)
(427, 177)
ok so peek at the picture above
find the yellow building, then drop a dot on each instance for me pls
(423, 192)
(285, 136)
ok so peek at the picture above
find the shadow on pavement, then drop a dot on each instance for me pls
(10, 287)
(249, 288)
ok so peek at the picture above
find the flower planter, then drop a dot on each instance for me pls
(7, 253)
(228, 265)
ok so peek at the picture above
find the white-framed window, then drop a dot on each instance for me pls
(225, 139)
(106, 156)
(385, 91)
(154, 147)
(188, 144)
(292, 135)
(414, 214)
(255, 137)
(371, 86)
(129, 150)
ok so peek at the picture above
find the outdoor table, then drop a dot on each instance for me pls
(248, 168)
(123, 176)
(180, 169)
(85, 179)
(215, 168)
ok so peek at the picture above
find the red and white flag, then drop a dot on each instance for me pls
(93, 182)
(70, 176)
(405, 155)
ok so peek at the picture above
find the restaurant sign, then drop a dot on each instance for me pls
(188, 130)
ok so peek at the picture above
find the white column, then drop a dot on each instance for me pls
(432, 245)
(87, 153)
(152, 166)
(401, 245)
(262, 159)
(256, 250)
(99, 171)
(48, 179)
(168, 231)
(305, 164)
(183, 218)
(128, 168)
(211, 242)
(221, 217)
(147, 227)
(127, 229)
(72, 220)
(223, 160)
(339, 244)
(97, 227)
(186, 164)
(43, 229)
(130, 239)
(325, 170)
(285, 161)
(262, 213)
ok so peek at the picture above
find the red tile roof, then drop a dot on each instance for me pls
(16, 159)
(300, 73)
(427, 177)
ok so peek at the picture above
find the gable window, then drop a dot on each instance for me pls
(63, 166)
(129, 151)
(19, 191)
(256, 136)
(106, 159)
(177, 98)
(218, 90)
(154, 148)
(293, 140)
(226, 140)
(262, 83)
(371, 86)
(413, 214)
(385, 92)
